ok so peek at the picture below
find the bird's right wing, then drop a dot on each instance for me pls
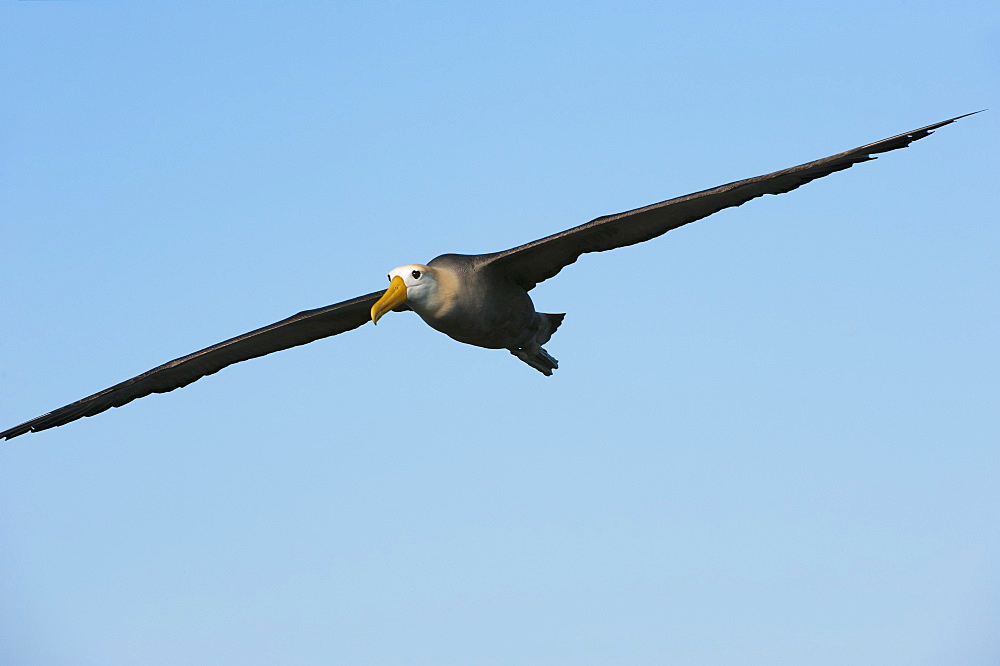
(296, 330)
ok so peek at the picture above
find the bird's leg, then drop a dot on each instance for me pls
(537, 358)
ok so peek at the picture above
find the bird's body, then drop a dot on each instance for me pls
(471, 301)
(480, 300)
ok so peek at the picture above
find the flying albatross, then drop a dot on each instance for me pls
(479, 299)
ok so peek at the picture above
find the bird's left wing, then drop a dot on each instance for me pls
(539, 260)
(296, 330)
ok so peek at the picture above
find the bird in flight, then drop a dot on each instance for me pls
(479, 299)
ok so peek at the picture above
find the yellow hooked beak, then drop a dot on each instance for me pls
(393, 297)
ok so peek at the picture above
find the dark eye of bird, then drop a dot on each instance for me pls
(416, 275)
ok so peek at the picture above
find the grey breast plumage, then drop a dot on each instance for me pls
(492, 311)
(496, 310)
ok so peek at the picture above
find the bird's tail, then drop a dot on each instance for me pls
(550, 322)
(532, 353)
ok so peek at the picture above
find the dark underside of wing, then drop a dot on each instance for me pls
(541, 259)
(296, 330)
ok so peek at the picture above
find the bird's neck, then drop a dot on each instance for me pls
(441, 301)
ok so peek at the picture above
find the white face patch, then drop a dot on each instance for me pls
(431, 292)
(412, 274)
(421, 287)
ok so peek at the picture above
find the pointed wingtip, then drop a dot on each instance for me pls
(965, 115)
(935, 126)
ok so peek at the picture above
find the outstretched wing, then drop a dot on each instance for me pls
(296, 330)
(539, 260)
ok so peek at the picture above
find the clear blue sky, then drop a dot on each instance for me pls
(773, 438)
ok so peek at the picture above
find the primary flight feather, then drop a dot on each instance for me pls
(478, 299)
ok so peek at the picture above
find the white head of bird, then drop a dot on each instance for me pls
(414, 284)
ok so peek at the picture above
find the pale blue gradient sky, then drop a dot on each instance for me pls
(773, 438)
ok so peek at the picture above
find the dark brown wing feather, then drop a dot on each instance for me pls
(541, 259)
(296, 330)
